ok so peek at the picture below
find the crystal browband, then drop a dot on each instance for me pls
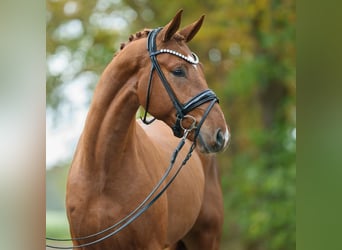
(193, 60)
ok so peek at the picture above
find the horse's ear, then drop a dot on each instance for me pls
(191, 30)
(171, 28)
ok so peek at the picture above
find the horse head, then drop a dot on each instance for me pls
(172, 86)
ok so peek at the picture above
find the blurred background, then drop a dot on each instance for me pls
(249, 57)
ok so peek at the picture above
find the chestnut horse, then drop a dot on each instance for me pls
(119, 159)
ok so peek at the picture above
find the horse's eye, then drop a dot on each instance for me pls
(179, 72)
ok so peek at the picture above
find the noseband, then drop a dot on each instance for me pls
(181, 109)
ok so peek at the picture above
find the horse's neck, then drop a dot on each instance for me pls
(110, 124)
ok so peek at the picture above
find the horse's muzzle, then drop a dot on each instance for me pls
(218, 143)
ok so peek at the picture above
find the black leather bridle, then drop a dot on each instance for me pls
(181, 109)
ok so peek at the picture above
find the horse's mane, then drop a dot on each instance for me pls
(144, 33)
(136, 36)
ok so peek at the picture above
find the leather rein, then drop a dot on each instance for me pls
(178, 130)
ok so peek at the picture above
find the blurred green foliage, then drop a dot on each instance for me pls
(248, 51)
(57, 224)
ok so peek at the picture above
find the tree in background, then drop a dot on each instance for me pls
(248, 51)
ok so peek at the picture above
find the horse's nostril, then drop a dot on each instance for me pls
(219, 138)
